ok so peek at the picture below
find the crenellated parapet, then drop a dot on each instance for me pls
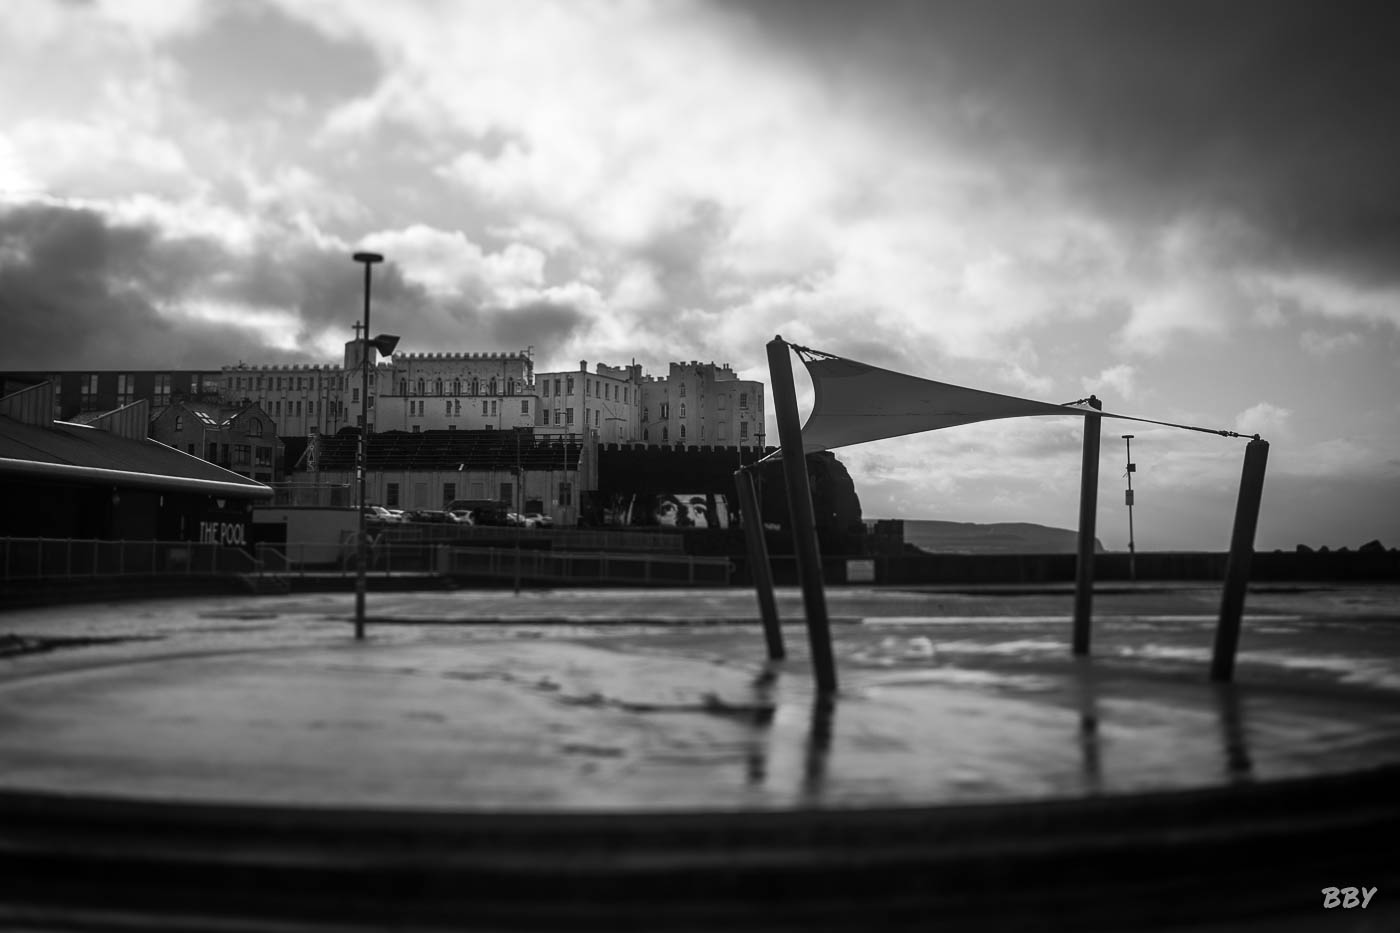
(282, 368)
(460, 357)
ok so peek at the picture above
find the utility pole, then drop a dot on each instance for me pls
(385, 344)
(1128, 498)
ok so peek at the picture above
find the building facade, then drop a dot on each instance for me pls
(77, 392)
(604, 404)
(695, 404)
(702, 405)
(302, 399)
(417, 392)
(240, 438)
(521, 469)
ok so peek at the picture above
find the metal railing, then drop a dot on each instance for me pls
(528, 565)
(540, 566)
(75, 558)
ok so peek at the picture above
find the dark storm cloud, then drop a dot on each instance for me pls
(543, 325)
(1279, 110)
(78, 291)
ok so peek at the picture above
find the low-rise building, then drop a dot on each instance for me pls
(241, 438)
(107, 480)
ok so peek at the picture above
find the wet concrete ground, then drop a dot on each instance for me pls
(663, 700)
(630, 760)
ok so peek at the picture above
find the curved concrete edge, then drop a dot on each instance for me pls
(1248, 853)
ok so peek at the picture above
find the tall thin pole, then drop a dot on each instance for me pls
(1227, 631)
(804, 525)
(1088, 510)
(362, 462)
(1128, 497)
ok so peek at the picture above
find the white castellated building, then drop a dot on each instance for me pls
(301, 399)
(696, 405)
(702, 405)
(408, 392)
(604, 404)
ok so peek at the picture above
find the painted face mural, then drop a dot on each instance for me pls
(667, 510)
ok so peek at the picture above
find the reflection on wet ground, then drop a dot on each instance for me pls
(489, 700)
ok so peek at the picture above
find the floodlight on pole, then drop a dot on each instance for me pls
(362, 461)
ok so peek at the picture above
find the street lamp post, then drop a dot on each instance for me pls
(385, 344)
(1128, 499)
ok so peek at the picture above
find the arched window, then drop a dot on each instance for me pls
(682, 409)
(255, 427)
(665, 435)
(438, 388)
(421, 388)
(476, 386)
(403, 386)
(456, 387)
(510, 387)
(682, 432)
(179, 422)
(645, 415)
(492, 386)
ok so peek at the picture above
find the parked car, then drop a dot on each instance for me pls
(462, 516)
(482, 511)
(429, 515)
(377, 513)
(537, 520)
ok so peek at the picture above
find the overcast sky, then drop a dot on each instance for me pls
(1189, 208)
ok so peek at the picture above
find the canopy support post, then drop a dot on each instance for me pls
(751, 514)
(1227, 631)
(1088, 511)
(804, 526)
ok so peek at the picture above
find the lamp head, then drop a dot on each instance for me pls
(368, 258)
(385, 344)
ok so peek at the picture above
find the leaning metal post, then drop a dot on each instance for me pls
(1227, 631)
(804, 526)
(1088, 509)
(752, 516)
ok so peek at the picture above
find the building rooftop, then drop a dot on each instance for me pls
(67, 452)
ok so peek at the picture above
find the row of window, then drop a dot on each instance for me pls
(665, 407)
(260, 456)
(591, 387)
(723, 433)
(242, 454)
(289, 383)
(473, 387)
(126, 388)
(452, 408)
